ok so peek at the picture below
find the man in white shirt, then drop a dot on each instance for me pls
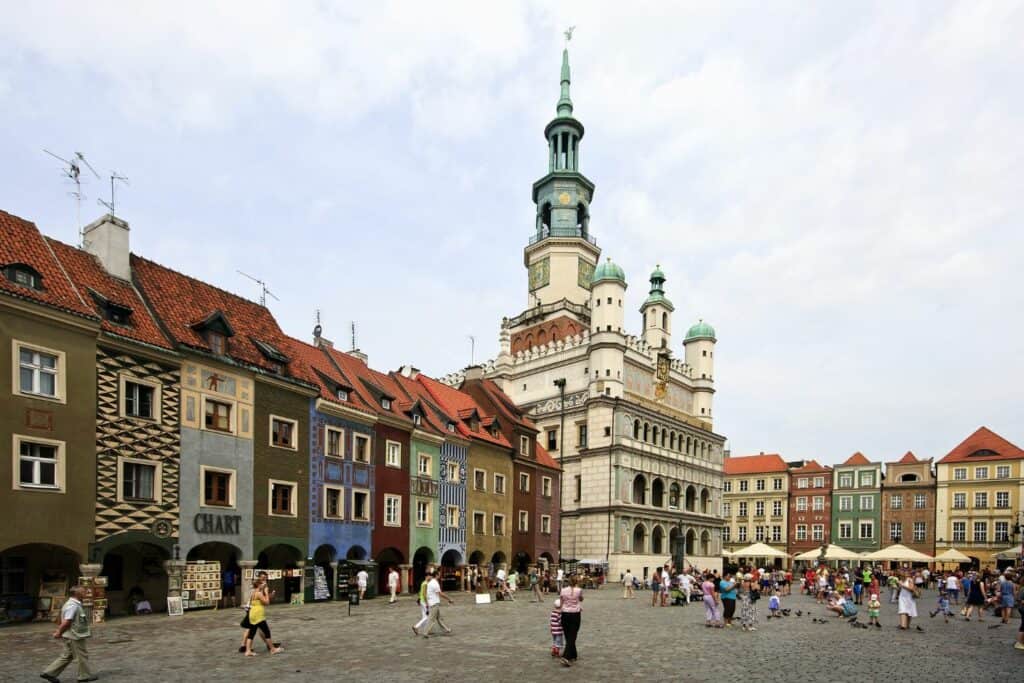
(393, 584)
(560, 578)
(361, 579)
(434, 595)
(686, 582)
(627, 585)
(953, 588)
(74, 631)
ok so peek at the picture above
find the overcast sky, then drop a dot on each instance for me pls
(836, 187)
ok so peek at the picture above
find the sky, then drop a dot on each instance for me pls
(836, 187)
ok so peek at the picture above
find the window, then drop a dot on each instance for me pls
(776, 484)
(845, 503)
(726, 509)
(741, 534)
(581, 433)
(138, 399)
(743, 508)
(480, 480)
(452, 516)
(867, 503)
(981, 473)
(545, 524)
(980, 532)
(801, 483)
(819, 482)
(726, 534)
(920, 531)
(385, 403)
(422, 513)
(867, 529)
(895, 531)
(920, 500)
(453, 472)
(40, 463)
(524, 482)
(283, 432)
(499, 483)
(960, 474)
(282, 498)
(776, 508)
(552, 439)
(139, 480)
(478, 523)
(524, 445)
(24, 275)
(845, 530)
(392, 510)
(342, 394)
(393, 454)
(218, 487)
(759, 533)
(867, 479)
(818, 503)
(333, 440)
(846, 480)
(424, 466)
(776, 534)
(417, 419)
(499, 525)
(801, 532)
(450, 426)
(759, 485)
(960, 531)
(981, 499)
(361, 448)
(896, 501)
(1002, 532)
(818, 532)
(1003, 472)
(959, 501)
(578, 481)
(216, 342)
(744, 484)
(727, 487)
(524, 521)
(801, 504)
(332, 502)
(545, 487)
(218, 415)
(40, 372)
(1002, 499)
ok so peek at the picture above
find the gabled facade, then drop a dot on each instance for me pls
(856, 504)
(908, 504)
(810, 507)
(755, 501)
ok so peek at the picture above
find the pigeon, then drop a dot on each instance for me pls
(920, 629)
(799, 613)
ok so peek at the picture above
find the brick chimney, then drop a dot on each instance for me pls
(408, 371)
(106, 238)
(474, 372)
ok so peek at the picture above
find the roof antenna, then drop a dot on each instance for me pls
(73, 170)
(264, 291)
(472, 349)
(354, 347)
(318, 329)
(114, 176)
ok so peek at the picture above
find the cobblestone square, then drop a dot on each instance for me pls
(504, 641)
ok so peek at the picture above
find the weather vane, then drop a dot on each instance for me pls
(568, 34)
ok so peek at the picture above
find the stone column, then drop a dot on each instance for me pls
(90, 570)
(405, 571)
(246, 588)
(334, 579)
(463, 570)
(302, 578)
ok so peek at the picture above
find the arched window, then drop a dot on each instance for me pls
(691, 498)
(582, 218)
(664, 321)
(639, 539)
(672, 440)
(664, 437)
(529, 341)
(691, 540)
(636, 429)
(705, 543)
(545, 217)
(542, 337)
(658, 493)
(673, 496)
(654, 435)
(705, 501)
(640, 490)
(647, 432)
(908, 477)
(687, 445)
(657, 541)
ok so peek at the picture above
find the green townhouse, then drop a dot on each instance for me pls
(856, 504)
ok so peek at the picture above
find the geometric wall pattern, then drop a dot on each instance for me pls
(134, 438)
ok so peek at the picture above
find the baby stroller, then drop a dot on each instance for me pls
(677, 596)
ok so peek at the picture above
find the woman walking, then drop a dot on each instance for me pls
(711, 615)
(655, 586)
(976, 597)
(258, 601)
(572, 597)
(748, 608)
(727, 590)
(907, 601)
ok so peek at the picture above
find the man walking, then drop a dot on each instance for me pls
(422, 602)
(627, 585)
(74, 630)
(434, 595)
(361, 579)
(392, 584)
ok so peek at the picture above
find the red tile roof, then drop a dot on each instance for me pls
(811, 467)
(456, 402)
(21, 242)
(179, 301)
(435, 420)
(89, 275)
(489, 394)
(370, 385)
(753, 464)
(983, 444)
(857, 459)
(322, 372)
(908, 459)
(544, 458)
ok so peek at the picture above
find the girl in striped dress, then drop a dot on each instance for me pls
(557, 635)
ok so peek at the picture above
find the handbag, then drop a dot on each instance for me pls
(755, 595)
(245, 618)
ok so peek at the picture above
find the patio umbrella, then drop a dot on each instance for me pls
(897, 553)
(759, 550)
(832, 552)
(952, 555)
(1008, 554)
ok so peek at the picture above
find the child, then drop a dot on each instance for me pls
(773, 605)
(874, 606)
(942, 606)
(557, 636)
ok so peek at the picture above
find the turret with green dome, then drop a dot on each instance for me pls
(701, 330)
(608, 271)
(657, 294)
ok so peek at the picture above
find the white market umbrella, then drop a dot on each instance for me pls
(952, 555)
(759, 550)
(899, 553)
(832, 552)
(1008, 554)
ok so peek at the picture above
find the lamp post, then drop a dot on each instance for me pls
(560, 383)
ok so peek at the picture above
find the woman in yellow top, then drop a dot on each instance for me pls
(260, 597)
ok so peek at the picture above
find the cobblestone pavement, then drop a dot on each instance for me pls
(509, 641)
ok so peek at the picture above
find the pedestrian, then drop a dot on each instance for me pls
(711, 612)
(74, 631)
(421, 600)
(774, 605)
(666, 585)
(362, 578)
(907, 601)
(227, 587)
(976, 597)
(557, 634)
(560, 579)
(258, 600)
(748, 599)
(572, 599)
(874, 607)
(1019, 645)
(535, 586)
(434, 595)
(393, 584)
(942, 604)
(953, 588)
(686, 583)
(894, 588)
(627, 585)
(655, 586)
(727, 591)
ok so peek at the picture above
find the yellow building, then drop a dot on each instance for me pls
(980, 485)
(755, 501)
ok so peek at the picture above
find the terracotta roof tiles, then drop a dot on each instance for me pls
(983, 444)
(857, 459)
(908, 459)
(753, 464)
(460, 403)
(811, 467)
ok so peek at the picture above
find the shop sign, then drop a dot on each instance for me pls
(207, 523)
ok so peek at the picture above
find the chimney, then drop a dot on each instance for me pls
(106, 238)
(474, 372)
(356, 353)
(408, 371)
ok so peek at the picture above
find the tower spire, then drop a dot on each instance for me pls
(565, 101)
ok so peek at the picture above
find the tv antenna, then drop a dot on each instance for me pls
(354, 347)
(73, 170)
(114, 178)
(263, 289)
(472, 349)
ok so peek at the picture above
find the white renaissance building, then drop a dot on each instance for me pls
(628, 419)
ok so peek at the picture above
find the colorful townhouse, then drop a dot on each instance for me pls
(810, 507)
(856, 504)
(756, 493)
(908, 504)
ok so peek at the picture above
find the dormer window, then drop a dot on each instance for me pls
(451, 426)
(215, 330)
(342, 395)
(24, 275)
(416, 419)
(112, 312)
(385, 403)
(216, 341)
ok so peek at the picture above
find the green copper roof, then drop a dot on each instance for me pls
(657, 295)
(657, 274)
(608, 271)
(700, 331)
(565, 102)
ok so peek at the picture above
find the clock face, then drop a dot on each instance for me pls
(564, 198)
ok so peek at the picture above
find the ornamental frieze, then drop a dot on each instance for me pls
(553, 405)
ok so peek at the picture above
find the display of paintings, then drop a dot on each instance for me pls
(95, 598)
(200, 583)
(100, 581)
(175, 606)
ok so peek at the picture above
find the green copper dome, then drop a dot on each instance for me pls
(657, 274)
(608, 271)
(657, 295)
(700, 331)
